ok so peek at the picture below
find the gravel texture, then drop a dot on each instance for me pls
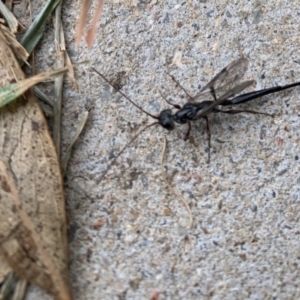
(128, 233)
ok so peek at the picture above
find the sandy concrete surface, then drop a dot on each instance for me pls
(128, 233)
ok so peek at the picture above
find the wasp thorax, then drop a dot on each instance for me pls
(165, 119)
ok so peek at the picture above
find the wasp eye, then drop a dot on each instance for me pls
(169, 125)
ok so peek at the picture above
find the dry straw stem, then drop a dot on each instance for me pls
(20, 290)
(7, 279)
(8, 285)
(58, 83)
(170, 187)
(8, 4)
(33, 240)
(86, 4)
(43, 97)
(83, 20)
(62, 59)
(15, 46)
(80, 127)
(13, 288)
(45, 102)
(10, 18)
(13, 91)
(90, 37)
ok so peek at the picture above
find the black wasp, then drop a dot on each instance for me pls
(223, 89)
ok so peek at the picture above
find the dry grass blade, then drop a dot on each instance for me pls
(9, 4)
(13, 91)
(20, 290)
(170, 187)
(71, 73)
(35, 31)
(45, 102)
(13, 288)
(66, 158)
(10, 18)
(46, 109)
(4, 271)
(43, 97)
(7, 285)
(58, 84)
(33, 238)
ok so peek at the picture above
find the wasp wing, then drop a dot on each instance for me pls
(223, 80)
(236, 90)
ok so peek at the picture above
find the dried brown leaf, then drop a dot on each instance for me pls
(21, 242)
(32, 210)
(17, 48)
(5, 76)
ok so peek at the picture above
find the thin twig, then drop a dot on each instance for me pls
(170, 187)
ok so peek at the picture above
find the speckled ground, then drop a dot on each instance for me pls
(128, 234)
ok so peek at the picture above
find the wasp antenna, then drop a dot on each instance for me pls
(177, 82)
(174, 105)
(125, 96)
(124, 148)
